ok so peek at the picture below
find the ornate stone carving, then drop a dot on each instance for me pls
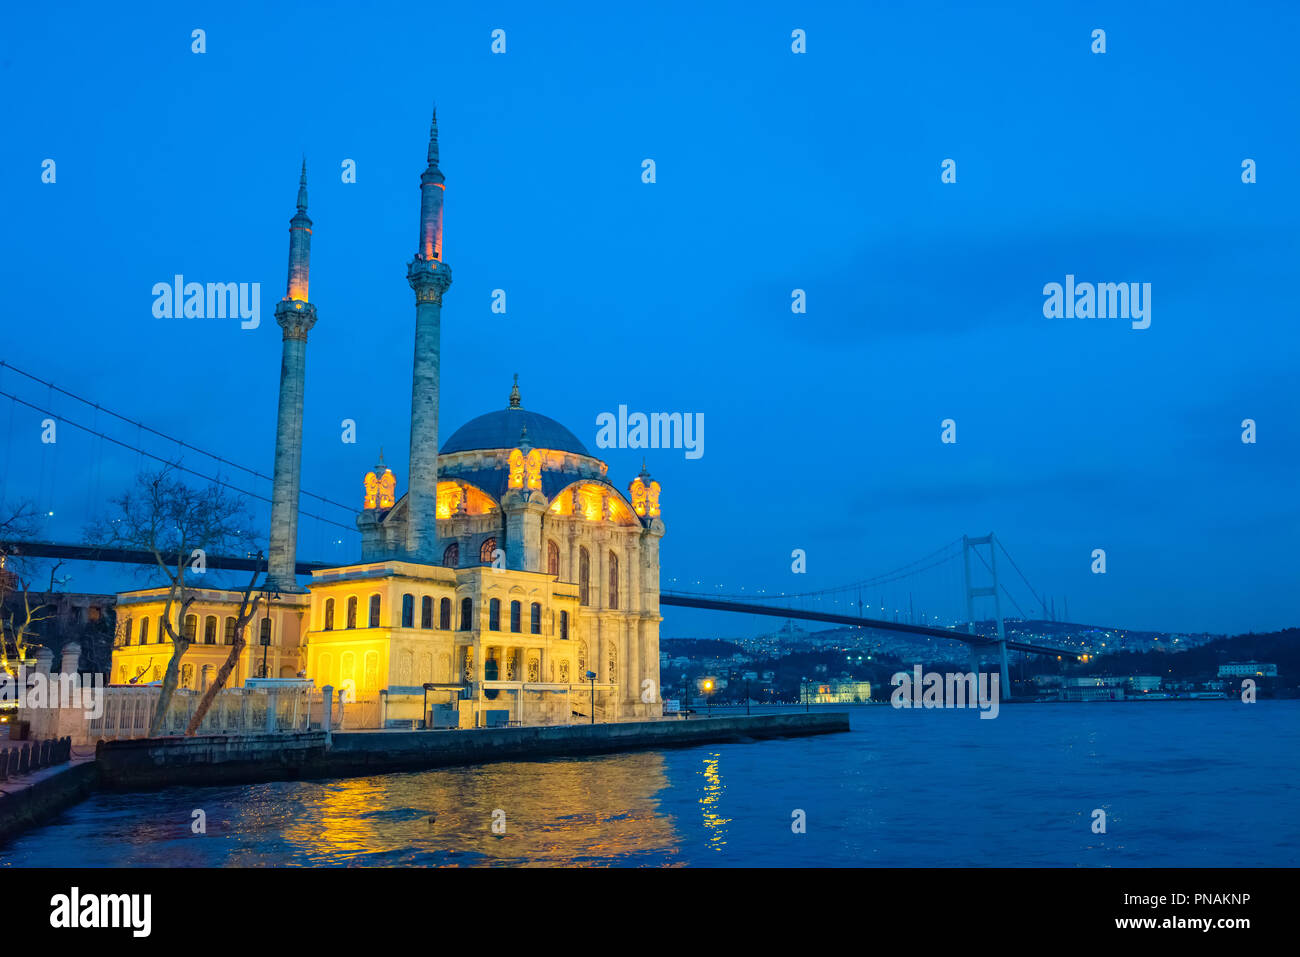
(295, 318)
(429, 278)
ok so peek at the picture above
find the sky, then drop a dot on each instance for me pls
(774, 171)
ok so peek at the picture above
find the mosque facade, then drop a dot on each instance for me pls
(512, 581)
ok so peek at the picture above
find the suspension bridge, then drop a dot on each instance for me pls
(83, 432)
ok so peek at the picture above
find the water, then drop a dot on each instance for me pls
(1198, 783)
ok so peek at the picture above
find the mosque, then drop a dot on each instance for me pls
(512, 580)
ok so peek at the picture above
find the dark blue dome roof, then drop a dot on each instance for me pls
(500, 430)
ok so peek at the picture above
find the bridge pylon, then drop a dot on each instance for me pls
(968, 545)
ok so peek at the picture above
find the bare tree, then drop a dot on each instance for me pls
(179, 525)
(247, 611)
(22, 632)
(17, 524)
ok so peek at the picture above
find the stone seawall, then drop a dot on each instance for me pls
(45, 795)
(160, 762)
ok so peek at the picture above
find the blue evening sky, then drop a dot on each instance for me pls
(775, 171)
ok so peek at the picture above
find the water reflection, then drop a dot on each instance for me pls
(555, 812)
(881, 795)
(711, 802)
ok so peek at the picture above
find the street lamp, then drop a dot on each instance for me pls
(707, 688)
(265, 633)
(427, 688)
(591, 676)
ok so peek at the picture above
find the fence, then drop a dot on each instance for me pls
(128, 712)
(20, 759)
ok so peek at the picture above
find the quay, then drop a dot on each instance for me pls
(148, 763)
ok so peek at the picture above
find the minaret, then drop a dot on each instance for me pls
(430, 277)
(296, 316)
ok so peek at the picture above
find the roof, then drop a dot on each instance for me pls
(501, 430)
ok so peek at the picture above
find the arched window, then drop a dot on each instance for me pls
(515, 613)
(584, 577)
(352, 612)
(408, 610)
(265, 637)
(210, 630)
(426, 612)
(451, 556)
(329, 614)
(494, 614)
(613, 580)
(552, 558)
(537, 618)
(444, 614)
(230, 631)
(485, 551)
(191, 627)
(144, 630)
(374, 611)
(466, 614)
(126, 631)
(564, 626)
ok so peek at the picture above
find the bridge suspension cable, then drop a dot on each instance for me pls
(885, 578)
(1041, 603)
(159, 458)
(141, 427)
(1010, 597)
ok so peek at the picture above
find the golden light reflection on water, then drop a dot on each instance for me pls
(592, 811)
(711, 803)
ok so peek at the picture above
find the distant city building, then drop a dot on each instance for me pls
(1144, 682)
(835, 691)
(1247, 669)
(1092, 693)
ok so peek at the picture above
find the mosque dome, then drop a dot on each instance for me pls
(502, 430)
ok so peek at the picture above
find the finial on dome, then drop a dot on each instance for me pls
(645, 473)
(514, 394)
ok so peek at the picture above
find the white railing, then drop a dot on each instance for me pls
(128, 712)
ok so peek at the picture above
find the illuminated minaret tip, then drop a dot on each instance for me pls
(429, 277)
(433, 139)
(431, 190)
(299, 244)
(295, 316)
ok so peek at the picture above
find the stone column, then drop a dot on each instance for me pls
(296, 319)
(429, 279)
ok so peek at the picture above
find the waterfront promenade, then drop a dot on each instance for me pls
(148, 763)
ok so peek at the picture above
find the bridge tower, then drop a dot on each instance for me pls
(969, 545)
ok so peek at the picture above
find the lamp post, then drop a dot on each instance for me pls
(591, 676)
(264, 634)
(427, 688)
(746, 696)
(707, 688)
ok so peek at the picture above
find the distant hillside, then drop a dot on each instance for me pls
(699, 647)
(1281, 648)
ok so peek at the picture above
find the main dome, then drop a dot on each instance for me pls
(501, 429)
